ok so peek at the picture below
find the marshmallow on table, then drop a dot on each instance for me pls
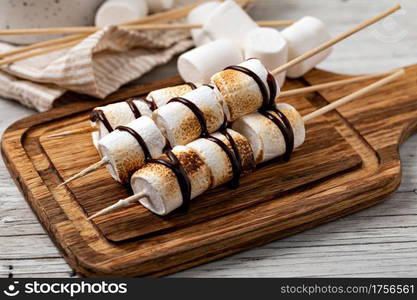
(264, 136)
(114, 12)
(217, 159)
(117, 114)
(199, 64)
(180, 124)
(159, 5)
(304, 35)
(123, 151)
(199, 15)
(161, 185)
(229, 21)
(241, 93)
(270, 47)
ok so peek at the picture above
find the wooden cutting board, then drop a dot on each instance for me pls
(349, 162)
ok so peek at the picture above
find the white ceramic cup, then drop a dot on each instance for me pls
(24, 14)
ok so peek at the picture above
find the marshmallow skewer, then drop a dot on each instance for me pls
(121, 113)
(241, 97)
(142, 195)
(287, 93)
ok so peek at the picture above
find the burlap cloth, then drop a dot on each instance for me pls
(97, 66)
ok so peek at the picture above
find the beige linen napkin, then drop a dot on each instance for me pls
(97, 66)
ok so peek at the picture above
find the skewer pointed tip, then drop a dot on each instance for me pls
(86, 171)
(75, 131)
(119, 204)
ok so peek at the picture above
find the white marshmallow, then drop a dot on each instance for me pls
(229, 21)
(266, 139)
(161, 185)
(124, 152)
(199, 64)
(199, 15)
(179, 123)
(114, 12)
(162, 96)
(268, 45)
(302, 36)
(117, 114)
(159, 5)
(241, 93)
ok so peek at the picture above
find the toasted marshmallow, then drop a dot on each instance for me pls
(241, 93)
(270, 47)
(199, 64)
(180, 124)
(302, 36)
(218, 161)
(117, 114)
(229, 21)
(264, 136)
(162, 96)
(161, 184)
(199, 15)
(124, 152)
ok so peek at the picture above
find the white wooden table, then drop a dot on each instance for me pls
(380, 241)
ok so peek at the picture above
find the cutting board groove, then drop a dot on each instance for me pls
(348, 162)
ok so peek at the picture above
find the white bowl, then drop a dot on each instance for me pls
(16, 14)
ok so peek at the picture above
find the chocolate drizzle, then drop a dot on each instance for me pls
(209, 85)
(98, 114)
(184, 182)
(285, 127)
(135, 110)
(196, 111)
(233, 158)
(273, 89)
(140, 140)
(256, 78)
(282, 122)
(191, 85)
(151, 104)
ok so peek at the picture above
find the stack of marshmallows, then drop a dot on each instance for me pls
(229, 36)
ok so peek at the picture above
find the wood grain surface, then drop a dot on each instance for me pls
(380, 241)
(348, 162)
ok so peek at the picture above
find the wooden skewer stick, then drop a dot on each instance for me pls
(335, 40)
(119, 204)
(353, 96)
(49, 43)
(72, 42)
(75, 131)
(319, 112)
(104, 161)
(37, 52)
(336, 83)
(92, 29)
(154, 18)
(287, 93)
